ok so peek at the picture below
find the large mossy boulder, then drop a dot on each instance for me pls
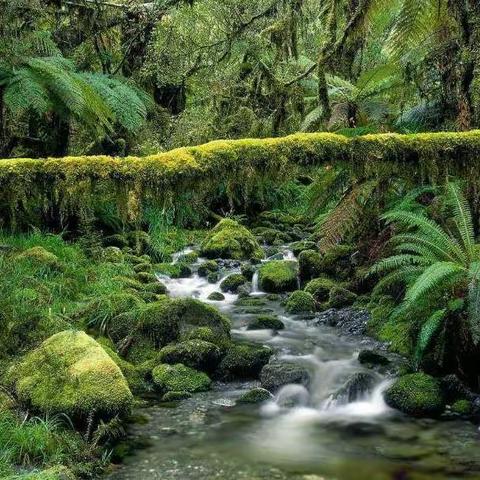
(229, 239)
(320, 288)
(180, 378)
(170, 319)
(71, 373)
(243, 360)
(278, 276)
(340, 297)
(416, 394)
(310, 264)
(196, 353)
(300, 302)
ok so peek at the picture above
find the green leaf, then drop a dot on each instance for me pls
(428, 331)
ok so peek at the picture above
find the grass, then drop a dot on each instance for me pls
(36, 443)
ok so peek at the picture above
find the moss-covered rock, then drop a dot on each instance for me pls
(175, 396)
(197, 354)
(248, 271)
(145, 277)
(416, 394)
(243, 360)
(278, 276)
(117, 240)
(229, 239)
(216, 296)
(207, 267)
(320, 288)
(275, 375)
(340, 297)
(143, 267)
(232, 283)
(6, 402)
(256, 395)
(188, 258)
(169, 319)
(299, 247)
(40, 258)
(462, 407)
(155, 287)
(269, 322)
(213, 277)
(300, 302)
(112, 254)
(180, 378)
(337, 262)
(309, 264)
(173, 270)
(71, 373)
(372, 358)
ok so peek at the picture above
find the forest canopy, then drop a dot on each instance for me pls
(125, 77)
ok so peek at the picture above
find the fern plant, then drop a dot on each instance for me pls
(436, 263)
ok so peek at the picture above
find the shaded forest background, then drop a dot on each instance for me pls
(125, 77)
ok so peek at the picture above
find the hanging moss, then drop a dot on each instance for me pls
(71, 185)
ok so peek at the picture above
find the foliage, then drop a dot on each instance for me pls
(436, 263)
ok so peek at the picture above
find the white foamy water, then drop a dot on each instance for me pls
(196, 287)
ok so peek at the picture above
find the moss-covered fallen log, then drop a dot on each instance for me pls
(71, 184)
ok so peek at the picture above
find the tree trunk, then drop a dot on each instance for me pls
(59, 137)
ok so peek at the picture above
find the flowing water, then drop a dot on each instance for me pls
(338, 427)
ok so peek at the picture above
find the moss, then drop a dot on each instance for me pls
(213, 277)
(117, 240)
(143, 267)
(244, 361)
(336, 262)
(197, 354)
(310, 264)
(112, 254)
(169, 319)
(58, 472)
(40, 258)
(256, 395)
(320, 288)
(300, 302)
(179, 378)
(188, 258)
(340, 297)
(416, 394)
(173, 270)
(232, 282)
(462, 407)
(229, 239)
(247, 270)
(216, 296)
(207, 267)
(141, 350)
(145, 277)
(6, 402)
(269, 322)
(155, 287)
(175, 396)
(300, 246)
(71, 373)
(133, 375)
(278, 276)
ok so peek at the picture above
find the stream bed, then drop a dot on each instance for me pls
(336, 426)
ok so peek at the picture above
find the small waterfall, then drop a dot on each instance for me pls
(255, 288)
(181, 253)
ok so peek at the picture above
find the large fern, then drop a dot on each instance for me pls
(434, 262)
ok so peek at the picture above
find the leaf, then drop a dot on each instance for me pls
(427, 332)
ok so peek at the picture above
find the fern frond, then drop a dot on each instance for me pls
(462, 217)
(404, 275)
(428, 331)
(346, 215)
(444, 243)
(396, 261)
(437, 276)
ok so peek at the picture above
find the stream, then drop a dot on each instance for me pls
(337, 426)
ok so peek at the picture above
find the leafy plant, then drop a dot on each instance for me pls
(436, 263)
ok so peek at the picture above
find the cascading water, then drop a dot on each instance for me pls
(336, 425)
